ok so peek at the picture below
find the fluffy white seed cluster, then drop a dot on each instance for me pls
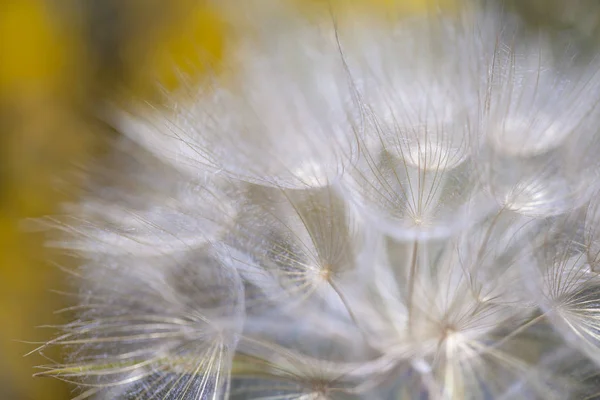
(364, 210)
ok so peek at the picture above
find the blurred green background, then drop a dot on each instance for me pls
(59, 61)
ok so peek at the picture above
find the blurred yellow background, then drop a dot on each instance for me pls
(59, 60)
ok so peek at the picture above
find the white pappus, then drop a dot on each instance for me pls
(359, 208)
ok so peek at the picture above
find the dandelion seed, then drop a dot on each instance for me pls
(539, 135)
(286, 118)
(170, 331)
(414, 176)
(536, 101)
(567, 285)
(180, 214)
(414, 201)
(298, 246)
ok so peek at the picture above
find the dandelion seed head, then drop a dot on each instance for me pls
(351, 208)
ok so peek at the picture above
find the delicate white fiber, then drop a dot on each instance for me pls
(287, 118)
(358, 207)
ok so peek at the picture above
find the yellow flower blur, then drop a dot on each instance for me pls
(182, 50)
(39, 138)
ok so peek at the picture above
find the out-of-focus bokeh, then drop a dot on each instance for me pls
(60, 62)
